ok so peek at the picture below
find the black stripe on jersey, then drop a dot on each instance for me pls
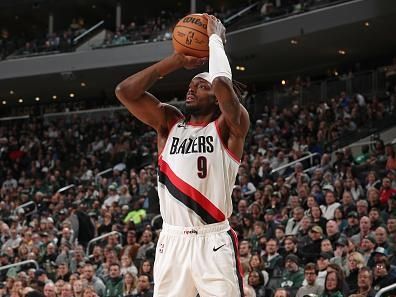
(186, 200)
(235, 246)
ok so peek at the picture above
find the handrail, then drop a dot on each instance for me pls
(19, 264)
(26, 204)
(65, 188)
(294, 162)
(101, 237)
(229, 19)
(356, 144)
(101, 173)
(386, 289)
(75, 40)
(89, 111)
(24, 117)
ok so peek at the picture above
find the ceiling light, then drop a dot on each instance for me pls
(54, 97)
(342, 52)
(20, 100)
(12, 92)
(83, 84)
(37, 99)
(240, 68)
(4, 102)
(293, 41)
(283, 82)
(367, 24)
(71, 95)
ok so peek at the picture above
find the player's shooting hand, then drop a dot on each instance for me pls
(190, 62)
(215, 26)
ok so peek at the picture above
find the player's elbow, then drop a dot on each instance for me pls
(120, 92)
(124, 91)
(117, 91)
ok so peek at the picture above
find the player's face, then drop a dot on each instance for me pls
(200, 97)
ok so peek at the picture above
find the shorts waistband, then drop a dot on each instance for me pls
(196, 230)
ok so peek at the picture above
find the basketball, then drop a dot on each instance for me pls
(190, 36)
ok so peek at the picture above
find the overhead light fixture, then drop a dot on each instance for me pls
(283, 82)
(12, 92)
(71, 95)
(54, 97)
(83, 84)
(294, 41)
(37, 99)
(20, 100)
(367, 24)
(342, 52)
(4, 102)
(240, 68)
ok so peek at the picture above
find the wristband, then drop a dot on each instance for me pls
(218, 61)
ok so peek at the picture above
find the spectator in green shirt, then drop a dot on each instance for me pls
(114, 282)
(293, 275)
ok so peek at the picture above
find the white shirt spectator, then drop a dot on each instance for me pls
(328, 210)
(110, 199)
(9, 184)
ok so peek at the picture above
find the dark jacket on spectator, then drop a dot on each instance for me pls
(311, 251)
(352, 280)
(114, 287)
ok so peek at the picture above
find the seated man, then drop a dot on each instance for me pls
(311, 287)
(293, 275)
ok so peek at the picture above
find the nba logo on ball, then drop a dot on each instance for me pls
(190, 36)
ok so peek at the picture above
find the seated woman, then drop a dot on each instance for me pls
(256, 280)
(333, 285)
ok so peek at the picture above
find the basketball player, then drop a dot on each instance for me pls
(199, 155)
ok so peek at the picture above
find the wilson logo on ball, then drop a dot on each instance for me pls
(194, 21)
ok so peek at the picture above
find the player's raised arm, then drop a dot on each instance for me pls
(132, 92)
(233, 113)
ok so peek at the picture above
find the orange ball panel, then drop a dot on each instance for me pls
(190, 36)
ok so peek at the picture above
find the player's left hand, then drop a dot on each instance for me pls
(190, 62)
(215, 26)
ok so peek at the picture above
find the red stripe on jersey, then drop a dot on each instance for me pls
(191, 192)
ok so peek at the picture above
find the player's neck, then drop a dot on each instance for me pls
(201, 119)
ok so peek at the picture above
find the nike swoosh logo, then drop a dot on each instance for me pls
(216, 249)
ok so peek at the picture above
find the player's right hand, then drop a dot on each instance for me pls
(215, 26)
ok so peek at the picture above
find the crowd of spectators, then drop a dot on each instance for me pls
(156, 28)
(61, 41)
(274, 8)
(152, 29)
(322, 228)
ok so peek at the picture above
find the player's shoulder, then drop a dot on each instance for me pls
(172, 116)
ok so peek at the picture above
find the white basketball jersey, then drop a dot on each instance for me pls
(196, 176)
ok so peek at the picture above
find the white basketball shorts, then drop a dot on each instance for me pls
(192, 260)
